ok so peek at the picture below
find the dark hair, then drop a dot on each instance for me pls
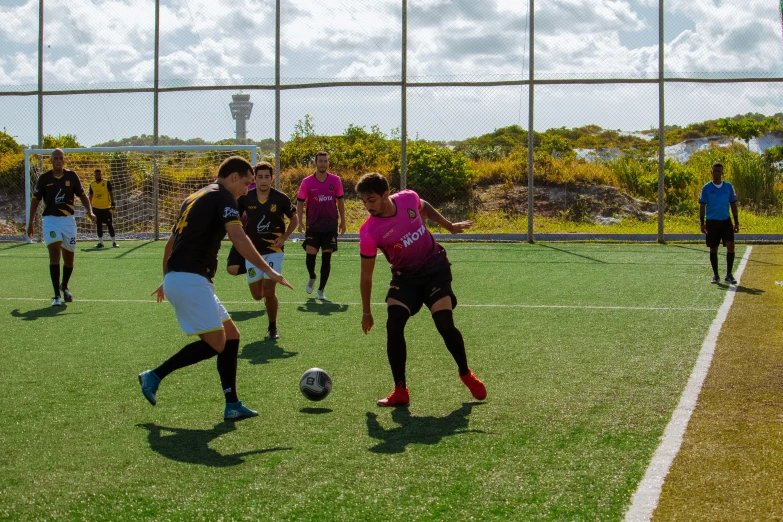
(264, 165)
(97, 171)
(233, 164)
(321, 153)
(372, 183)
(717, 164)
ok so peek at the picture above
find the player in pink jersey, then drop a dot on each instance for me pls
(322, 195)
(421, 275)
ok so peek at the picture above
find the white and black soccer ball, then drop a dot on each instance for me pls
(315, 384)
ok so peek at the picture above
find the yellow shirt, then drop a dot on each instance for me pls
(99, 194)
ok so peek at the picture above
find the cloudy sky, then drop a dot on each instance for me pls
(95, 43)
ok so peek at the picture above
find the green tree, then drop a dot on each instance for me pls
(8, 144)
(63, 141)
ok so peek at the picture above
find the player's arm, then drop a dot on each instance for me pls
(111, 194)
(91, 193)
(246, 249)
(429, 212)
(292, 224)
(702, 211)
(299, 209)
(365, 287)
(341, 211)
(735, 213)
(86, 202)
(167, 250)
(33, 209)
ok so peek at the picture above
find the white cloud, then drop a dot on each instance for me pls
(20, 23)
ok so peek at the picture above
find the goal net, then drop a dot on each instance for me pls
(149, 183)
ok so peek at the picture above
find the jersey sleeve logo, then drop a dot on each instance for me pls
(230, 212)
(411, 213)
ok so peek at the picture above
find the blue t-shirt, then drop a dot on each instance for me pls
(717, 199)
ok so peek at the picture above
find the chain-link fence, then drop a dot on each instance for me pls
(452, 82)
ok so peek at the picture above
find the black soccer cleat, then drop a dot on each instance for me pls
(273, 334)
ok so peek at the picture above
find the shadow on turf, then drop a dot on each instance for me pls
(322, 307)
(246, 315)
(192, 446)
(41, 313)
(261, 352)
(315, 411)
(417, 430)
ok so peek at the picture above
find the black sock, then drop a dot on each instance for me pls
(227, 368)
(729, 262)
(310, 264)
(54, 273)
(444, 321)
(714, 262)
(191, 354)
(396, 349)
(326, 267)
(67, 271)
(272, 325)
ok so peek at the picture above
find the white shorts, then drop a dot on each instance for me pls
(275, 260)
(60, 228)
(197, 307)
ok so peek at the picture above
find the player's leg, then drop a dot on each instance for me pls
(712, 241)
(98, 226)
(443, 315)
(396, 351)
(235, 264)
(272, 304)
(311, 252)
(110, 226)
(227, 368)
(329, 245)
(728, 242)
(68, 246)
(54, 270)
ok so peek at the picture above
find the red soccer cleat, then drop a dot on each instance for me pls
(398, 397)
(475, 386)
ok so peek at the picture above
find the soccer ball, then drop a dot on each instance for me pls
(315, 384)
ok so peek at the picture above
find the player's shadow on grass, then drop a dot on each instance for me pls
(261, 352)
(746, 290)
(417, 430)
(192, 446)
(322, 307)
(247, 315)
(41, 313)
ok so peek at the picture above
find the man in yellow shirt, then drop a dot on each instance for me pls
(102, 199)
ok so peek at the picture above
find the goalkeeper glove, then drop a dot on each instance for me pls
(113, 208)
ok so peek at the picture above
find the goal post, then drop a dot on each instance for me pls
(149, 182)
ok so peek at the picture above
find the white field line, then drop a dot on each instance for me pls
(248, 301)
(646, 497)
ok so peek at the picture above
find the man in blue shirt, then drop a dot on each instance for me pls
(716, 198)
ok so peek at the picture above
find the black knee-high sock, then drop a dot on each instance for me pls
(191, 354)
(67, 271)
(54, 273)
(714, 262)
(227, 368)
(396, 349)
(729, 262)
(444, 321)
(310, 264)
(110, 226)
(99, 226)
(326, 267)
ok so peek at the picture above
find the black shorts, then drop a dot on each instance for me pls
(102, 215)
(321, 240)
(235, 258)
(426, 289)
(719, 231)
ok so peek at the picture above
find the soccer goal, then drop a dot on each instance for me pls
(149, 183)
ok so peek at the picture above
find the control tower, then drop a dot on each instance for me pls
(241, 107)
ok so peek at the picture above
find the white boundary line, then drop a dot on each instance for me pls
(646, 497)
(575, 307)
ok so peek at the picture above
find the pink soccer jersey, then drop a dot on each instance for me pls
(403, 238)
(320, 199)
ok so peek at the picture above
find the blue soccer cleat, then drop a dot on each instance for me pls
(237, 410)
(149, 382)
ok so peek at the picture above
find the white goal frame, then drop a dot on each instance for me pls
(163, 148)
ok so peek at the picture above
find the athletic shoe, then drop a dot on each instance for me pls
(114, 244)
(67, 295)
(149, 382)
(237, 410)
(398, 397)
(319, 294)
(57, 301)
(99, 245)
(272, 334)
(715, 280)
(475, 386)
(310, 286)
(730, 279)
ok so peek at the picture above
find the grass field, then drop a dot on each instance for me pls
(585, 350)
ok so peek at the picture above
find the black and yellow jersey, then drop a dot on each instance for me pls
(265, 221)
(58, 194)
(200, 227)
(100, 194)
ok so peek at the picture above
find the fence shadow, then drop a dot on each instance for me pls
(192, 446)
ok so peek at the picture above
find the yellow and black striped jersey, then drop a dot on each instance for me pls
(58, 194)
